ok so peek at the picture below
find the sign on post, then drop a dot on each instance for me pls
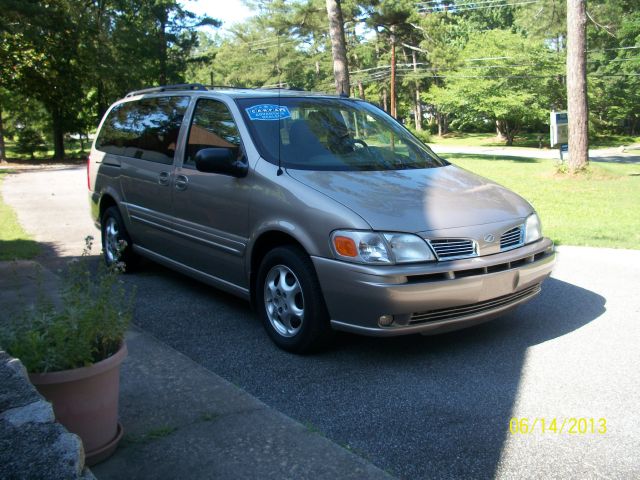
(559, 128)
(560, 132)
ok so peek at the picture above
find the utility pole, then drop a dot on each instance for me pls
(392, 39)
(418, 106)
(3, 158)
(338, 47)
(578, 107)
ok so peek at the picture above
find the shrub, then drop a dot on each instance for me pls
(29, 142)
(423, 135)
(89, 326)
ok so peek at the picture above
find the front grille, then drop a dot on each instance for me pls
(448, 248)
(474, 308)
(512, 238)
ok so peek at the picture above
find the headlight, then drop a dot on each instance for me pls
(408, 248)
(380, 248)
(532, 229)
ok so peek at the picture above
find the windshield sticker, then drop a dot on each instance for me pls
(268, 112)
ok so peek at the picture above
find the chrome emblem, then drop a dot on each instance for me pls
(489, 238)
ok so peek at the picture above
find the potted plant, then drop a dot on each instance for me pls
(72, 348)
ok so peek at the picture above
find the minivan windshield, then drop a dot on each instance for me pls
(332, 134)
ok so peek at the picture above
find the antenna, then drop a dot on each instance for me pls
(279, 172)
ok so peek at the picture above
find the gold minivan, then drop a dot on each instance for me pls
(323, 211)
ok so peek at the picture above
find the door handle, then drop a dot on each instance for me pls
(163, 178)
(182, 182)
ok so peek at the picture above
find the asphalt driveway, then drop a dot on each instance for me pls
(418, 407)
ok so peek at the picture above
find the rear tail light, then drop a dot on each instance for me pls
(88, 176)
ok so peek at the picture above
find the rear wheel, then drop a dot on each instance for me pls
(290, 301)
(114, 234)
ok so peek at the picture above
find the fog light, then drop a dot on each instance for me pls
(385, 320)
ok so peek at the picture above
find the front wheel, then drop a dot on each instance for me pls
(116, 243)
(290, 301)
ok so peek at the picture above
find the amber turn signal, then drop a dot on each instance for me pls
(345, 246)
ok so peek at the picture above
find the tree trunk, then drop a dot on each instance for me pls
(101, 100)
(499, 131)
(101, 43)
(361, 90)
(163, 48)
(392, 40)
(58, 137)
(418, 107)
(338, 47)
(578, 107)
(3, 155)
(506, 131)
(443, 123)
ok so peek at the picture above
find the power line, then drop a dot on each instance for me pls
(617, 48)
(588, 51)
(271, 42)
(430, 1)
(409, 66)
(441, 4)
(596, 75)
(441, 7)
(266, 43)
(464, 8)
(486, 58)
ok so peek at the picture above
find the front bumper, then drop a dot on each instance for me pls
(432, 298)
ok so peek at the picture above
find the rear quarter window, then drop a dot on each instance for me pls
(146, 129)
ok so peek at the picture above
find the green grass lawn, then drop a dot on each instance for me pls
(72, 151)
(524, 140)
(598, 209)
(15, 244)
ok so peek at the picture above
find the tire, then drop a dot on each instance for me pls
(290, 301)
(114, 231)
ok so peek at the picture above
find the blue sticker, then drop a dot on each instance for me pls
(268, 112)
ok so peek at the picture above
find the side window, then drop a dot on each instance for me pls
(146, 129)
(212, 127)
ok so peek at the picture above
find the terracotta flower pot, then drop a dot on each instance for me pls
(85, 401)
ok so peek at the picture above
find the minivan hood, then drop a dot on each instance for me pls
(418, 200)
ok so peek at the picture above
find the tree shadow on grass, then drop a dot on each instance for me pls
(477, 156)
(626, 160)
(24, 280)
(19, 249)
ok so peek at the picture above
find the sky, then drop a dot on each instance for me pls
(228, 11)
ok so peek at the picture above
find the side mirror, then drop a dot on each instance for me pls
(221, 160)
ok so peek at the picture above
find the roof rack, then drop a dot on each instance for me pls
(264, 87)
(164, 88)
(231, 87)
(201, 87)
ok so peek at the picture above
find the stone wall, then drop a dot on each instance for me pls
(32, 444)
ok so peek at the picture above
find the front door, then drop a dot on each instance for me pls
(211, 210)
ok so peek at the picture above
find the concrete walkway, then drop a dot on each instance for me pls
(183, 421)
